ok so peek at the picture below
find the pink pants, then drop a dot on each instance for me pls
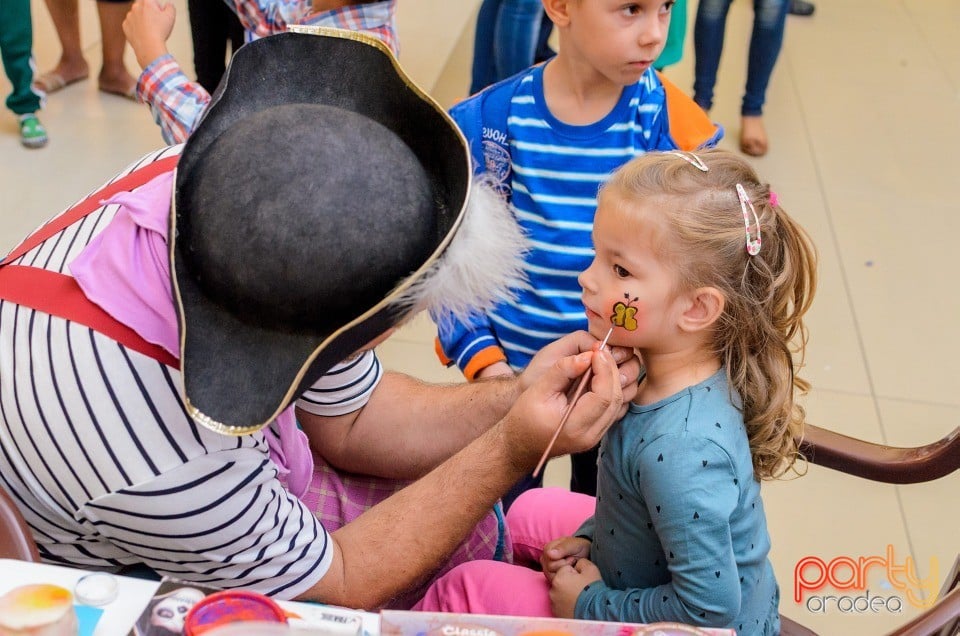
(337, 498)
(537, 517)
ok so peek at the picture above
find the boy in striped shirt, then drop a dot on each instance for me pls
(568, 124)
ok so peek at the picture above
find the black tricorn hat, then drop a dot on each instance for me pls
(320, 188)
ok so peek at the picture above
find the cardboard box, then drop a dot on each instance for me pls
(397, 623)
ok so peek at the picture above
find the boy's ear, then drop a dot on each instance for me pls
(558, 11)
(704, 307)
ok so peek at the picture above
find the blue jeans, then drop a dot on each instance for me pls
(511, 35)
(769, 17)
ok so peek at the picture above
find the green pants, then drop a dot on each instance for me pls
(16, 49)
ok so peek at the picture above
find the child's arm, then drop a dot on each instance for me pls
(473, 347)
(175, 101)
(494, 370)
(266, 17)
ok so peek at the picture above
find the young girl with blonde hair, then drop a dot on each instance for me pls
(702, 271)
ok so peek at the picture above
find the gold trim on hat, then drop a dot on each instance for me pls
(217, 427)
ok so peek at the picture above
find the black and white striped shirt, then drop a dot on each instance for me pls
(99, 454)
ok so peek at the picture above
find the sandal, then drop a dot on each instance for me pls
(52, 81)
(130, 94)
(32, 132)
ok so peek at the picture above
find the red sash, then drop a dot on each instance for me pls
(60, 295)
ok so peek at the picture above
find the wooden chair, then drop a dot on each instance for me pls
(887, 464)
(892, 465)
(16, 541)
(943, 619)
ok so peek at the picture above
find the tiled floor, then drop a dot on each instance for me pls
(863, 117)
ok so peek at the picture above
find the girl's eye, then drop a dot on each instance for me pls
(620, 271)
(631, 9)
(667, 7)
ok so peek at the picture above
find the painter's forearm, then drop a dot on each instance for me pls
(409, 427)
(421, 525)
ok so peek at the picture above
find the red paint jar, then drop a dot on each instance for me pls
(231, 606)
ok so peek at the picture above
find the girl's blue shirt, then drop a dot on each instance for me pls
(679, 532)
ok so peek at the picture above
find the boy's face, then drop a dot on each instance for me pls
(617, 38)
(629, 285)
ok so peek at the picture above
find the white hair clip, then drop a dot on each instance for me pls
(753, 244)
(692, 159)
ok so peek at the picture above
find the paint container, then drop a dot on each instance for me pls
(38, 610)
(97, 589)
(231, 606)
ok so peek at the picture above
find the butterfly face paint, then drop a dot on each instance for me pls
(625, 314)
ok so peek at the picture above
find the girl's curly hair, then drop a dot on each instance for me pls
(760, 337)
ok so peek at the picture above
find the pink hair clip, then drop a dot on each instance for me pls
(774, 199)
(753, 244)
(692, 159)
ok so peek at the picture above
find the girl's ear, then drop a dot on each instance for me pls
(704, 308)
(558, 11)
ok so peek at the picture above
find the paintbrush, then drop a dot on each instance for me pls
(584, 380)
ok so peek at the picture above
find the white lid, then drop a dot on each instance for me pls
(99, 588)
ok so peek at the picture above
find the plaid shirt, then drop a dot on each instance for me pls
(178, 103)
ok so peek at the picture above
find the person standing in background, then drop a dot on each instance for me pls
(511, 36)
(72, 67)
(16, 48)
(769, 17)
(212, 27)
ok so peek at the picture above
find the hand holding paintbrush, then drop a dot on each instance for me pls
(577, 391)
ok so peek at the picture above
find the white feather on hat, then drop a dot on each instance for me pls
(482, 266)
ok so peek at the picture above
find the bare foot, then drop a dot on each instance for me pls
(117, 82)
(753, 136)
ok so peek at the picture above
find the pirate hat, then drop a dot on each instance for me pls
(314, 209)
